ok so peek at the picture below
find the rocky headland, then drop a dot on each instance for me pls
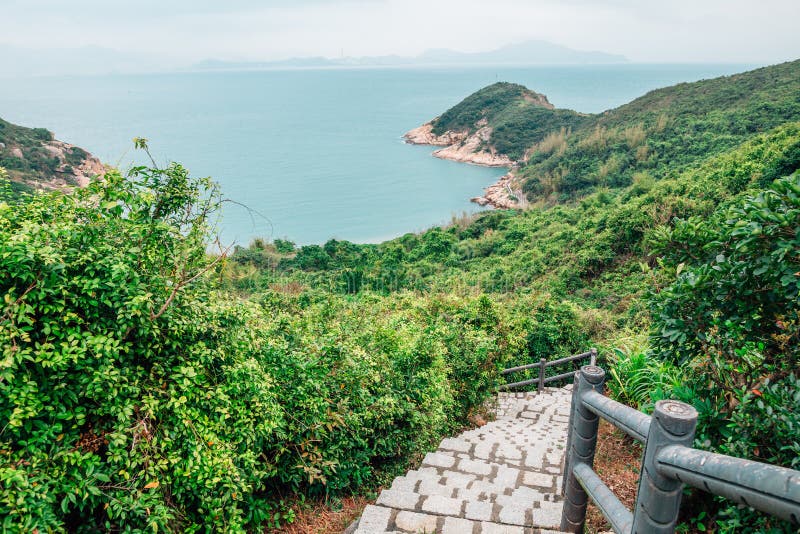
(465, 133)
(34, 159)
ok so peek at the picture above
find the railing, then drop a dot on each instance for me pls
(542, 365)
(668, 463)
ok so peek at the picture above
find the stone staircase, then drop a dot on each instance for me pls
(504, 477)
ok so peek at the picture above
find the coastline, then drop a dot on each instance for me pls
(501, 195)
(465, 148)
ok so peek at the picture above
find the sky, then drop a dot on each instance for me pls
(185, 31)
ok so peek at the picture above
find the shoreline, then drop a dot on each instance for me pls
(462, 147)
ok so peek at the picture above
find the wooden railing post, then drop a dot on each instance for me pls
(593, 357)
(580, 448)
(659, 497)
(542, 367)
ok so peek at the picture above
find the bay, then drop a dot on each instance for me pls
(315, 154)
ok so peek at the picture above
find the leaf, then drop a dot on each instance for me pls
(152, 485)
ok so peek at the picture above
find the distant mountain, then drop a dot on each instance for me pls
(527, 53)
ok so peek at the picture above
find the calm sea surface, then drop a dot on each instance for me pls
(317, 152)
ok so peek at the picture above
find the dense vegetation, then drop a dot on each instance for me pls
(133, 393)
(147, 384)
(564, 154)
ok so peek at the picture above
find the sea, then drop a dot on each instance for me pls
(312, 154)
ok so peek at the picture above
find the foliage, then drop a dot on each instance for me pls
(663, 132)
(639, 380)
(133, 395)
(486, 103)
(764, 427)
(113, 396)
(730, 319)
(732, 312)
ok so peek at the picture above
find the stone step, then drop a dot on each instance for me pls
(503, 477)
(377, 519)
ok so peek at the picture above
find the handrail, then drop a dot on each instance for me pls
(620, 517)
(543, 364)
(632, 422)
(766, 487)
(669, 461)
(587, 354)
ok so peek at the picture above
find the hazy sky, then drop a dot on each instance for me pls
(764, 31)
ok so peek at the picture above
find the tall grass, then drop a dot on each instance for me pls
(639, 380)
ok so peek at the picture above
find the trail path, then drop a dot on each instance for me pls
(501, 478)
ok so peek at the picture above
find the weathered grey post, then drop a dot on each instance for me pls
(659, 498)
(573, 403)
(581, 445)
(593, 357)
(542, 366)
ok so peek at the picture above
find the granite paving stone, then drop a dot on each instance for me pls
(501, 478)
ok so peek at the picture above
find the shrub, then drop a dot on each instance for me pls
(733, 314)
(133, 395)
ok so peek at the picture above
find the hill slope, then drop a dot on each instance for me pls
(561, 153)
(35, 160)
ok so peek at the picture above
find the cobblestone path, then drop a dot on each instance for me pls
(503, 477)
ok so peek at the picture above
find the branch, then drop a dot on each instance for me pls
(7, 315)
(183, 283)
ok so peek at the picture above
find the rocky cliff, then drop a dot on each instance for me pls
(34, 159)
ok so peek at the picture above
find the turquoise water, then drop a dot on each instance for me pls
(317, 153)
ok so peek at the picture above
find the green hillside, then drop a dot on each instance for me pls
(563, 153)
(147, 384)
(664, 131)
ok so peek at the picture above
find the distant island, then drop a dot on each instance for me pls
(526, 53)
(16, 61)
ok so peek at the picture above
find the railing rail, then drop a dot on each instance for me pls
(668, 463)
(542, 365)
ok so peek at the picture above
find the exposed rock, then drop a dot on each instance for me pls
(538, 99)
(501, 194)
(424, 135)
(80, 174)
(461, 146)
(476, 150)
(65, 174)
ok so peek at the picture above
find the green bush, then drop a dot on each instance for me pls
(765, 427)
(730, 320)
(133, 395)
(733, 308)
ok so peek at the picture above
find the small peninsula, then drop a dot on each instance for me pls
(494, 127)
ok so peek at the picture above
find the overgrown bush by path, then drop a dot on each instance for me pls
(133, 395)
(730, 320)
